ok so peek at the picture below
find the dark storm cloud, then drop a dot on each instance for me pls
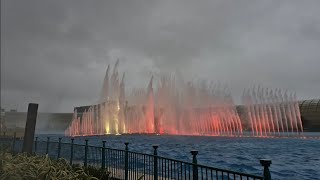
(56, 52)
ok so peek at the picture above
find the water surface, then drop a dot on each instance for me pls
(292, 158)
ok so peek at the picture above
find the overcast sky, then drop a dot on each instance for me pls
(55, 52)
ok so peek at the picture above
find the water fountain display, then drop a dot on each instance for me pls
(169, 105)
(272, 112)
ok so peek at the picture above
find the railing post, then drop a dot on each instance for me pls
(35, 145)
(48, 141)
(4, 134)
(59, 147)
(155, 161)
(14, 141)
(86, 154)
(194, 166)
(126, 160)
(103, 153)
(29, 129)
(266, 172)
(71, 153)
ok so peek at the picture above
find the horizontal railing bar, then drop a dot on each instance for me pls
(66, 143)
(229, 171)
(115, 149)
(151, 155)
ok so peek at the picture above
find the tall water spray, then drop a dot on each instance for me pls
(168, 105)
(272, 112)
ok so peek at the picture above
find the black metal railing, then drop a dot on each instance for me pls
(125, 164)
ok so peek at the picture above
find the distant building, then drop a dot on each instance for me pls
(46, 122)
(310, 114)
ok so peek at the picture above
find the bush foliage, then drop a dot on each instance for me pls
(22, 166)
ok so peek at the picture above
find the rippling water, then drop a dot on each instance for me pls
(292, 158)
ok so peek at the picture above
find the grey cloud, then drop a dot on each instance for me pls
(56, 52)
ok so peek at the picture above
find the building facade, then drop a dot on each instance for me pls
(310, 114)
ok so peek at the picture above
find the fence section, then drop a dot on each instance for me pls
(125, 164)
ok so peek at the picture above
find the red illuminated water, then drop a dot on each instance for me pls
(171, 106)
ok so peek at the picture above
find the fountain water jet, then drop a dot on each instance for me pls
(272, 112)
(169, 105)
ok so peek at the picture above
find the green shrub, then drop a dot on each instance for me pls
(99, 173)
(22, 166)
(5, 147)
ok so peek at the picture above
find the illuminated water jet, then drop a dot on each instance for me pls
(272, 112)
(172, 106)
